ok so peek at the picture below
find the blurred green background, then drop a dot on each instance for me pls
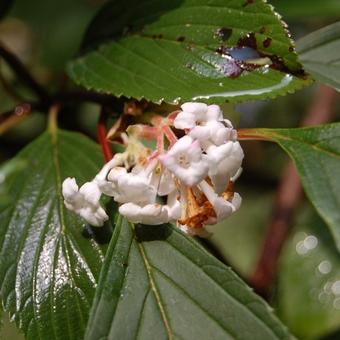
(47, 33)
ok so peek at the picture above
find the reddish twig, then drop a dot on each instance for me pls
(287, 198)
(102, 133)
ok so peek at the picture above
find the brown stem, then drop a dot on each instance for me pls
(102, 133)
(21, 71)
(287, 198)
(10, 118)
(45, 100)
(63, 98)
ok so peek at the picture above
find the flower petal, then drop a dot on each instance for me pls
(184, 120)
(173, 206)
(222, 207)
(211, 131)
(69, 188)
(166, 184)
(199, 109)
(224, 163)
(214, 112)
(185, 161)
(85, 201)
(90, 192)
(151, 214)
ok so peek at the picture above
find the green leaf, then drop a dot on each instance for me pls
(48, 269)
(319, 53)
(157, 283)
(309, 279)
(316, 153)
(305, 9)
(7, 171)
(177, 50)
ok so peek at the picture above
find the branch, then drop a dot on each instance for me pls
(19, 68)
(101, 134)
(62, 97)
(288, 195)
(10, 118)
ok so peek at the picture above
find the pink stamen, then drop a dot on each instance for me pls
(160, 142)
(173, 115)
(170, 135)
(154, 155)
(157, 121)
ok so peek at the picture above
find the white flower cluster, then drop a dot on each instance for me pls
(191, 183)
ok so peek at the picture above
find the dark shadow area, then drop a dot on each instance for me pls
(332, 336)
(102, 235)
(145, 233)
(119, 19)
(211, 248)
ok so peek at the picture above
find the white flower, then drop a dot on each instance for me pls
(152, 214)
(205, 123)
(85, 201)
(149, 214)
(212, 131)
(71, 193)
(191, 113)
(214, 112)
(223, 208)
(194, 114)
(173, 206)
(166, 183)
(131, 187)
(224, 163)
(186, 161)
(193, 173)
(101, 178)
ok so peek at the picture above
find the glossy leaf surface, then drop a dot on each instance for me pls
(157, 283)
(319, 53)
(7, 171)
(316, 153)
(48, 269)
(180, 50)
